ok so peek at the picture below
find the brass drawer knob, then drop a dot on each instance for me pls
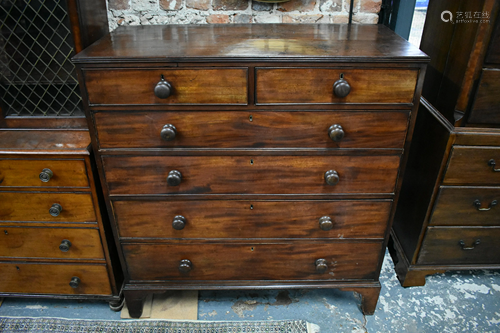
(466, 248)
(179, 222)
(174, 178)
(341, 88)
(75, 282)
(336, 132)
(65, 245)
(185, 266)
(168, 132)
(163, 89)
(325, 223)
(331, 177)
(477, 204)
(45, 175)
(492, 164)
(55, 210)
(321, 265)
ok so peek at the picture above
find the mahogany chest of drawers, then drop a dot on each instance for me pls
(53, 240)
(251, 156)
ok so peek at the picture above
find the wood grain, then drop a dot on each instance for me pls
(469, 166)
(486, 104)
(252, 219)
(455, 206)
(250, 174)
(315, 85)
(49, 278)
(251, 129)
(441, 246)
(253, 261)
(25, 173)
(49, 142)
(190, 86)
(22, 206)
(20, 242)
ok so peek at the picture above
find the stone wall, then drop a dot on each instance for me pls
(135, 12)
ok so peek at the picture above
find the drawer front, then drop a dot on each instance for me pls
(33, 278)
(467, 206)
(252, 129)
(345, 261)
(455, 246)
(252, 219)
(487, 101)
(473, 166)
(189, 86)
(17, 242)
(26, 173)
(315, 85)
(248, 175)
(39, 207)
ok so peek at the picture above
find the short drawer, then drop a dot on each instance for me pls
(474, 206)
(473, 166)
(46, 207)
(252, 219)
(188, 86)
(53, 243)
(250, 175)
(315, 85)
(252, 129)
(228, 261)
(48, 278)
(487, 100)
(460, 245)
(27, 173)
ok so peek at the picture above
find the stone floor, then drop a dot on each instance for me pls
(467, 301)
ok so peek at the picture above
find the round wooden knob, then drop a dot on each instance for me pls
(65, 245)
(168, 132)
(331, 177)
(321, 265)
(163, 89)
(174, 178)
(75, 282)
(185, 266)
(55, 210)
(179, 222)
(325, 223)
(341, 88)
(336, 132)
(45, 175)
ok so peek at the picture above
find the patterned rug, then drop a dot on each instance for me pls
(20, 324)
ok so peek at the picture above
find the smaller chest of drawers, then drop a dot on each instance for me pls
(54, 241)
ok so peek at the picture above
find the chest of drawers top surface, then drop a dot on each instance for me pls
(270, 42)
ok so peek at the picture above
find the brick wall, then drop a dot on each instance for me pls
(135, 12)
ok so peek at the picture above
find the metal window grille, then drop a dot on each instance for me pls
(37, 77)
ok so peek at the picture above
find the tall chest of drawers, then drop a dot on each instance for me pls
(54, 242)
(251, 156)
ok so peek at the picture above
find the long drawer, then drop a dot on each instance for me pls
(270, 261)
(247, 174)
(55, 243)
(474, 206)
(22, 206)
(315, 85)
(473, 166)
(26, 173)
(31, 278)
(460, 245)
(188, 86)
(251, 129)
(252, 219)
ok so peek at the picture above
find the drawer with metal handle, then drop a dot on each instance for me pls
(341, 260)
(251, 174)
(473, 166)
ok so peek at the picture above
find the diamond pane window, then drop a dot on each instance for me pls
(37, 77)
